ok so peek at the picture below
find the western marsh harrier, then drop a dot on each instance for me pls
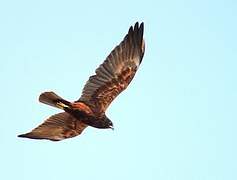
(110, 79)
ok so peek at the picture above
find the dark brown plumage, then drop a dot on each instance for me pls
(111, 78)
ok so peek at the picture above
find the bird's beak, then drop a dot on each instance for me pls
(112, 127)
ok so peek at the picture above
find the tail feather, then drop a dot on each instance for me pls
(52, 99)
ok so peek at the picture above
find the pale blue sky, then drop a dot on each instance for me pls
(176, 121)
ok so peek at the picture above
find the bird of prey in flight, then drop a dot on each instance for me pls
(110, 79)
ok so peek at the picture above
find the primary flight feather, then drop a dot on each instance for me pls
(110, 79)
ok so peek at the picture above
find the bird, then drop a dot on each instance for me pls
(111, 78)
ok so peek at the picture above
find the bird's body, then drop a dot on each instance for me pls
(112, 77)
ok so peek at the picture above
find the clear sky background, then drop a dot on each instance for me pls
(176, 121)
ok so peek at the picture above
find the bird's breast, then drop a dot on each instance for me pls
(83, 112)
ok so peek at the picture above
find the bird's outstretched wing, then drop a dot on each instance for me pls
(116, 72)
(58, 127)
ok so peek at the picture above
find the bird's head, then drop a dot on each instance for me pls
(108, 123)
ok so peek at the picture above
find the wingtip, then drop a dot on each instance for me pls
(136, 25)
(27, 135)
(22, 135)
(142, 25)
(32, 136)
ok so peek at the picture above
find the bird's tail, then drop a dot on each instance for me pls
(52, 99)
